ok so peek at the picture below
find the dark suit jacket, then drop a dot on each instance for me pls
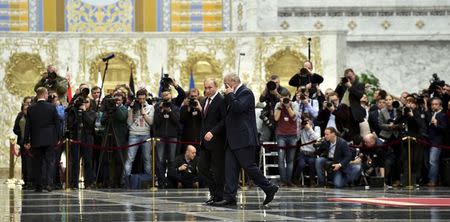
(240, 120)
(42, 125)
(355, 94)
(437, 133)
(214, 121)
(373, 121)
(342, 153)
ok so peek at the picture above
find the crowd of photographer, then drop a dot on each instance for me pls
(341, 138)
(336, 136)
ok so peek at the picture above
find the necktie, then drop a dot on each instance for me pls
(205, 111)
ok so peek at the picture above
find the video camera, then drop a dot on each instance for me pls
(165, 82)
(435, 83)
(192, 102)
(271, 85)
(344, 80)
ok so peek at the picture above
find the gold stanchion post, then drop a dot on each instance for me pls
(12, 150)
(244, 184)
(153, 144)
(67, 164)
(409, 138)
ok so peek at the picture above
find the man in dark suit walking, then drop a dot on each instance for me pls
(41, 133)
(241, 141)
(212, 160)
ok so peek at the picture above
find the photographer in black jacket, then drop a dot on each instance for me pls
(81, 123)
(271, 96)
(191, 118)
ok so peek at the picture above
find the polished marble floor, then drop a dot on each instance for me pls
(290, 204)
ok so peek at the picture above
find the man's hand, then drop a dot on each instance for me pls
(308, 86)
(228, 89)
(198, 107)
(348, 84)
(208, 136)
(336, 166)
(27, 146)
(174, 83)
(182, 167)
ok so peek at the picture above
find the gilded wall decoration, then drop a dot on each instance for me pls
(202, 66)
(23, 71)
(223, 50)
(290, 47)
(85, 17)
(10, 102)
(128, 51)
(119, 70)
(284, 63)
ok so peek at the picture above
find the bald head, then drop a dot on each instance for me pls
(370, 140)
(190, 153)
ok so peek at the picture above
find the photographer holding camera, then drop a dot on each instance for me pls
(307, 154)
(415, 126)
(80, 123)
(271, 96)
(350, 90)
(285, 116)
(166, 127)
(53, 82)
(334, 157)
(115, 114)
(306, 104)
(140, 120)
(184, 172)
(191, 117)
(390, 131)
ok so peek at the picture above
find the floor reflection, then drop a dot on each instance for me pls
(187, 205)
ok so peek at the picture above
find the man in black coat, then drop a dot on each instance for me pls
(335, 156)
(241, 141)
(41, 134)
(350, 91)
(212, 136)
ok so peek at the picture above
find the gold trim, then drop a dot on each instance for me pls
(193, 59)
(268, 46)
(222, 50)
(20, 64)
(50, 15)
(119, 58)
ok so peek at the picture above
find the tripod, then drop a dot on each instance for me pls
(114, 171)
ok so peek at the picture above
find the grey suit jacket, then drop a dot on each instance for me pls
(383, 118)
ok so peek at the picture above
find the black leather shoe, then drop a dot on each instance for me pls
(38, 190)
(49, 188)
(270, 194)
(210, 201)
(224, 203)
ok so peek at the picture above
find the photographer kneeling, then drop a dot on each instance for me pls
(184, 169)
(334, 158)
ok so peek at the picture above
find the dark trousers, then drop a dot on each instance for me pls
(77, 152)
(211, 167)
(417, 155)
(27, 166)
(43, 165)
(245, 158)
